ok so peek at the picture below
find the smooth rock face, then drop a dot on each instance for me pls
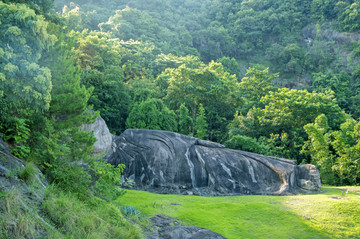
(168, 162)
(102, 134)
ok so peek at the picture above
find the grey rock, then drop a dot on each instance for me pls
(10, 167)
(168, 228)
(168, 162)
(102, 134)
(4, 147)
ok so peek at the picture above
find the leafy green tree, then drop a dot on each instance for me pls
(59, 130)
(152, 114)
(185, 121)
(279, 123)
(349, 17)
(337, 82)
(200, 123)
(230, 65)
(209, 85)
(318, 146)
(347, 147)
(41, 7)
(335, 152)
(102, 69)
(289, 59)
(23, 82)
(256, 84)
(245, 143)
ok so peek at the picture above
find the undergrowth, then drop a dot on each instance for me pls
(16, 220)
(94, 218)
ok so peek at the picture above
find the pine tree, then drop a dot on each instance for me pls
(201, 124)
(69, 105)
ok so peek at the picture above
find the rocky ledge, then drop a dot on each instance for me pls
(168, 162)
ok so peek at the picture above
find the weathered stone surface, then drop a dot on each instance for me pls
(168, 162)
(102, 134)
(10, 166)
(167, 228)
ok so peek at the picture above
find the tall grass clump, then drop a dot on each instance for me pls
(94, 218)
(28, 173)
(17, 221)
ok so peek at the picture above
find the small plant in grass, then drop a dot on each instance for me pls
(28, 173)
(130, 211)
(135, 216)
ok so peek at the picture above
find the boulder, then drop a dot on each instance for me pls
(168, 162)
(102, 134)
(167, 228)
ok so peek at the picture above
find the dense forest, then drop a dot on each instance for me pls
(280, 78)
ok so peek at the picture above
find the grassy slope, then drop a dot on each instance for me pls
(325, 215)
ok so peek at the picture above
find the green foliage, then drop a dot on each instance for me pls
(336, 152)
(70, 177)
(348, 17)
(28, 173)
(256, 84)
(95, 219)
(279, 123)
(245, 143)
(185, 121)
(208, 85)
(130, 211)
(230, 65)
(288, 59)
(201, 124)
(24, 83)
(102, 62)
(69, 106)
(18, 133)
(339, 83)
(107, 179)
(42, 7)
(17, 221)
(152, 114)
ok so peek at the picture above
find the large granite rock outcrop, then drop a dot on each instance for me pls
(102, 134)
(168, 162)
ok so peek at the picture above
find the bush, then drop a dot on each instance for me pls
(107, 179)
(245, 143)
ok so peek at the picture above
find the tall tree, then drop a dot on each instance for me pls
(281, 120)
(209, 85)
(23, 82)
(152, 114)
(200, 124)
(185, 121)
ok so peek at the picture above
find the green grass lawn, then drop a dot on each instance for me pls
(332, 214)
